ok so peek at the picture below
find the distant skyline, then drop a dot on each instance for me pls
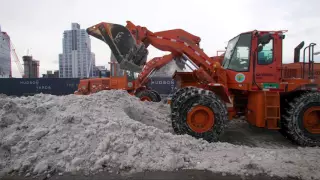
(38, 25)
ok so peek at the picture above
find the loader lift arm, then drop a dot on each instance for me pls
(180, 43)
(151, 66)
(135, 85)
(131, 52)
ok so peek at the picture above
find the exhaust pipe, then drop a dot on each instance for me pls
(297, 52)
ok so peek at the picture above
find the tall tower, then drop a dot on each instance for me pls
(76, 60)
(31, 67)
(5, 56)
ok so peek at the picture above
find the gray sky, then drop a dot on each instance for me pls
(38, 25)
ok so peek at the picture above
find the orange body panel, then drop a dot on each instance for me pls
(294, 70)
(88, 86)
(263, 109)
(255, 114)
(185, 79)
(118, 82)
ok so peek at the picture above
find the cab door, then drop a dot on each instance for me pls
(118, 78)
(268, 58)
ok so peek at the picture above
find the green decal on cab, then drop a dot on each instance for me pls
(270, 86)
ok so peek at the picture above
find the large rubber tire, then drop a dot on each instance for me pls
(205, 98)
(174, 108)
(157, 94)
(176, 95)
(147, 95)
(292, 121)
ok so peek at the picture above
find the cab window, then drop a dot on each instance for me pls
(112, 70)
(265, 56)
(240, 55)
(116, 71)
(132, 75)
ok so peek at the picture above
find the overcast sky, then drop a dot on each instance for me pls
(38, 25)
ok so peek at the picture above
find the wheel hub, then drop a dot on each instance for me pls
(311, 120)
(145, 98)
(200, 119)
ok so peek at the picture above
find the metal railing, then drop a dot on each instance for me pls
(310, 61)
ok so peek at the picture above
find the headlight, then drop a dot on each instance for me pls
(130, 84)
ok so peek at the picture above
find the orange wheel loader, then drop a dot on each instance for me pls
(249, 82)
(120, 78)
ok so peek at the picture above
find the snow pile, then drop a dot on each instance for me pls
(112, 130)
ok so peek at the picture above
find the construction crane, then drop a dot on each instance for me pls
(16, 58)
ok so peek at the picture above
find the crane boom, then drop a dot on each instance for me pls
(16, 59)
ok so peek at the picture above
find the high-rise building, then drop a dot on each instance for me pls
(98, 69)
(31, 67)
(51, 74)
(76, 60)
(5, 57)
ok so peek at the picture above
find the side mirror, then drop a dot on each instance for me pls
(282, 36)
(265, 39)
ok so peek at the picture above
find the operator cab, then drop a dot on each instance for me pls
(117, 72)
(250, 57)
(132, 76)
(237, 53)
(121, 79)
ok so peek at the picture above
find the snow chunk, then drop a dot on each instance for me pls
(37, 134)
(11, 140)
(41, 167)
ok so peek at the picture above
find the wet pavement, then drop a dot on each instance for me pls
(157, 175)
(239, 132)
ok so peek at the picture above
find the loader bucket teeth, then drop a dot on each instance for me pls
(126, 51)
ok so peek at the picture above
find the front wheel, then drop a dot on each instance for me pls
(201, 114)
(174, 107)
(176, 95)
(301, 122)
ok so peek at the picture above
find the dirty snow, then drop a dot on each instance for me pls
(112, 130)
(169, 69)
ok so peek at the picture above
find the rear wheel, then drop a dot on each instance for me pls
(147, 95)
(157, 94)
(301, 122)
(201, 114)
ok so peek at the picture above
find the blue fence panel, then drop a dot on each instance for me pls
(163, 85)
(65, 86)
(31, 86)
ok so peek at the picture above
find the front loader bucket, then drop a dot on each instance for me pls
(126, 51)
